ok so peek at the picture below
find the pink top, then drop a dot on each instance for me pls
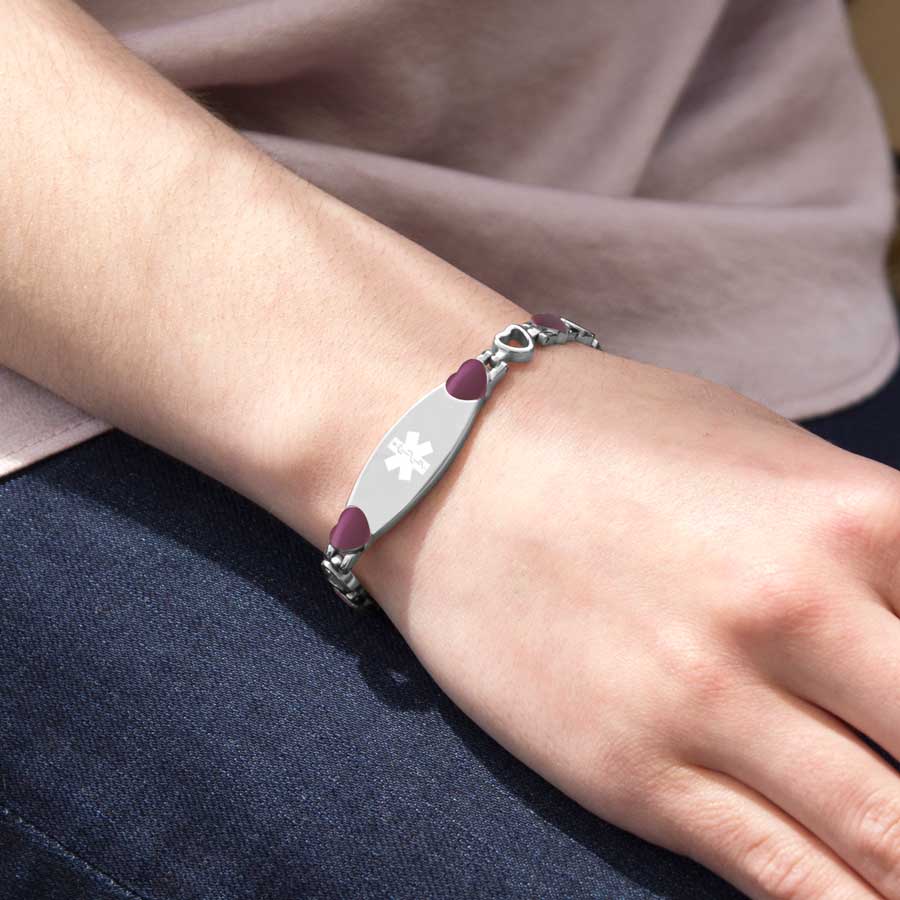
(706, 185)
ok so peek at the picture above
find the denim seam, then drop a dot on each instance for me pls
(51, 845)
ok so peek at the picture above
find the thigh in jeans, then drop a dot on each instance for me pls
(187, 712)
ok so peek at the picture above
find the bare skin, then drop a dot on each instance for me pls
(678, 602)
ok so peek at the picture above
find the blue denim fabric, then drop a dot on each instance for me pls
(187, 712)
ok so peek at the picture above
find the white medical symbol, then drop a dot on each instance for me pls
(408, 455)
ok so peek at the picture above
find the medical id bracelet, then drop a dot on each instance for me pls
(415, 452)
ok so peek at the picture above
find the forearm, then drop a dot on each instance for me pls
(162, 273)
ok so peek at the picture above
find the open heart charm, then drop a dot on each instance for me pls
(514, 343)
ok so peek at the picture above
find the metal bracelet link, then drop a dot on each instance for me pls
(338, 569)
(497, 357)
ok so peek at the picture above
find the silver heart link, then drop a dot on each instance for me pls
(504, 351)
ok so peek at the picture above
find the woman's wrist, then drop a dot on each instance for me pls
(323, 426)
(345, 324)
(212, 303)
(417, 449)
(444, 532)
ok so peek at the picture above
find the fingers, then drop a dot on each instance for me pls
(815, 769)
(733, 830)
(846, 661)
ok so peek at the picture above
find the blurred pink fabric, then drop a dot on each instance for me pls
(707, 184)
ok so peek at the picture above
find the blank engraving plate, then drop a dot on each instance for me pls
(411, 457)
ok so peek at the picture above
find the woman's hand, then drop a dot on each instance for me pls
(662, 597)
(669, 601)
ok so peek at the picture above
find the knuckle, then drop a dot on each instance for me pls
(860, 512)
(701, 678)
(778, 869)
(708, 682)
(782, 603)
(877, 836)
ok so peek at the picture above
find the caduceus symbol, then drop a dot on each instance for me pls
(408, 455)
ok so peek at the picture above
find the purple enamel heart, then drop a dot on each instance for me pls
(548, 320)
(351, 531)
(469, 381)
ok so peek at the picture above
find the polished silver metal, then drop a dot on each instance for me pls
(504, 351)
(416, 451)
(338, 569)
(582, 335)
(411, 457)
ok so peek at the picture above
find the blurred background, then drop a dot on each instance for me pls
(876, 24)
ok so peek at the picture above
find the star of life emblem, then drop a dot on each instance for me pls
(408, 456)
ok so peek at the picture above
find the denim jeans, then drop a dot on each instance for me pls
(186, 711)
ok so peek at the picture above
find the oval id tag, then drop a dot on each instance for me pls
(414, 453)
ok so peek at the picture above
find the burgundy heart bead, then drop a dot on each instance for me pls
(351, 531)
(548, 320)
(469, 381)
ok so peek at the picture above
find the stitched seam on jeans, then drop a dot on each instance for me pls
(52, 845)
